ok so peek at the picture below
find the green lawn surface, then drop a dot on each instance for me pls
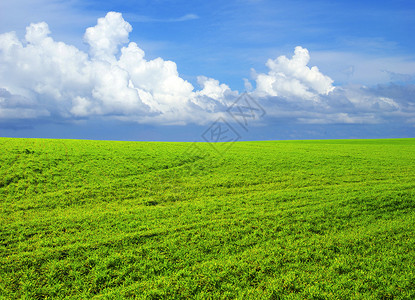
(326, 219)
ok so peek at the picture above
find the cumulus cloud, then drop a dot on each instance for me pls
(44, 78)
(113, 79)
(293, 90)
(105, 38)
(292, 78)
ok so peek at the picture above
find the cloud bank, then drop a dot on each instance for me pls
(44, 78)
(111, 80)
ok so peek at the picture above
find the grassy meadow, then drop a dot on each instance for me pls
(328, 219)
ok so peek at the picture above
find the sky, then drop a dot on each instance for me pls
(207, 70)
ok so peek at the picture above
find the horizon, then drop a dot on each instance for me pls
(207, 142)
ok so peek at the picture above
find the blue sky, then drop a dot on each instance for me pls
(363, 88)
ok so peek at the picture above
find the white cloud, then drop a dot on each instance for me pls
(105, 38)
(292, 78)
(106, 81)
(36, 33)
(290, 84)
(40, 77)
(214, 90)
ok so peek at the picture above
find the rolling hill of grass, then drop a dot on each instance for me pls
(329, 219)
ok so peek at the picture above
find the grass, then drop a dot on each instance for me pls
(329, 219)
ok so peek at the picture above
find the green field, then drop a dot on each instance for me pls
(330, 219)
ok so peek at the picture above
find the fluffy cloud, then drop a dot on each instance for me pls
(43, 78)
(293, 90)
(111, 80)
(292, 78)
(105, 38)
